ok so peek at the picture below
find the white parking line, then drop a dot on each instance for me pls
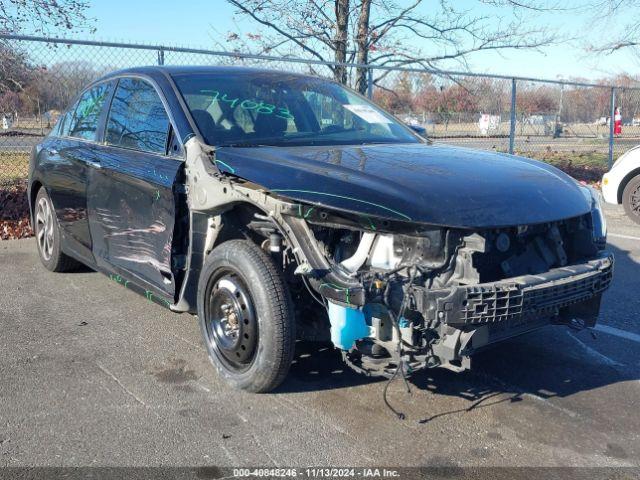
(619, 235)
(595, 353)
(634, 337)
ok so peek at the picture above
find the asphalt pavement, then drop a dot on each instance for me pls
(95, 375)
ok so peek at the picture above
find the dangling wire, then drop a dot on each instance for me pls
(395, 320)
(312, 293)
(400, 415)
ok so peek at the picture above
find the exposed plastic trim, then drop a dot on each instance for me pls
(353, 264)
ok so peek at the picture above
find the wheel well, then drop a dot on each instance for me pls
(235, 224)
(632, 174)
(35, 187)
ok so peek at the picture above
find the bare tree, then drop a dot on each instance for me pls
(33, 16)
(624, 13)
(388, 32)
(42, 16)
(57, 85)
(14, 69)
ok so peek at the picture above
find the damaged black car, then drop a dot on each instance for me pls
(280, 207)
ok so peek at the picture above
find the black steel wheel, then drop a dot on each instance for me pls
(631, 199)
(246, 316)
(231, 324)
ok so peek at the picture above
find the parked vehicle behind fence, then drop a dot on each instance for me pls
(279, 207)
(621, 185)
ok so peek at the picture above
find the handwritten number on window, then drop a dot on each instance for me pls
(248, 104)
(284, 113)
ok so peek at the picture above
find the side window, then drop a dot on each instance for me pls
(137, 119)
(83, 122)
(58, 129)
(66, 124)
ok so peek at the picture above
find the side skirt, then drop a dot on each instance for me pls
(151, 294)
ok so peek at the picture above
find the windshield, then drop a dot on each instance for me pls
(266, 108)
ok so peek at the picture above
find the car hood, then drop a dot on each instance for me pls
(430, 184)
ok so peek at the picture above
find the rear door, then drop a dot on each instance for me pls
(71, 154)
(131, 196)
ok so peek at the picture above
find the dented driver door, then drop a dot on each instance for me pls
(131, 198)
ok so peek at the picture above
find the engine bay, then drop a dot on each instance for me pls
(433, 296)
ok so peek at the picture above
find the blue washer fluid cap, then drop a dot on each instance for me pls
(403, 323)
(347, 325)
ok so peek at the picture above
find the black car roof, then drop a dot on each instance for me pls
(195, 69)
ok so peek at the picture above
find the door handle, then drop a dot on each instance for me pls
(94, 164)
(52, 151)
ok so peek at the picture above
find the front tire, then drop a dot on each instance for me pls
(48, 236)
(631, 199)
(246, 316)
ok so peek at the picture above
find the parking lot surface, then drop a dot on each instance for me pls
(93, 374)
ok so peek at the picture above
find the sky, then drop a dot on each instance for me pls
(199, 23)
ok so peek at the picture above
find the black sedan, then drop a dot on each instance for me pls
(281, 207)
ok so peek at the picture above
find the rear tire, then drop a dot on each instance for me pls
(48, 236)
(631, 199)
(246, 316)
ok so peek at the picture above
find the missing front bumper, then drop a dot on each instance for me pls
(573, 290)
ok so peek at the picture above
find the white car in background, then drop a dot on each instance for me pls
(621, 185)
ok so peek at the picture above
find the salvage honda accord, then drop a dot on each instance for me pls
(280, 207)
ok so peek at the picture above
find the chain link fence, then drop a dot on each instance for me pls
(568, 124)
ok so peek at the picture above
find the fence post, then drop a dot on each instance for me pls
(512, 125)
(370, 83)
(161, 56)
(611, 125)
